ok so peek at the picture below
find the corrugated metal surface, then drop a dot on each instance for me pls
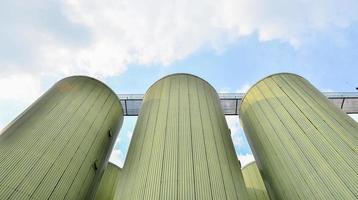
(305, 146)
(49, 151)
(254, 184)
(181, 146)
(109, 181)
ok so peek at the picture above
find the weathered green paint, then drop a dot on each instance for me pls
(57, 148)
(110, 179)
(305, 147)
(254, 184)
(181, 146)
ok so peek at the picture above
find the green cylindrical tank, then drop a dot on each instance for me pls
(57, 148)
(181, 146)
(305, 147)
(254, 184)
(109, 181)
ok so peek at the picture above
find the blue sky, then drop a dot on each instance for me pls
(130, 44)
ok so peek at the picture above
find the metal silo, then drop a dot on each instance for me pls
(57, 148)
(305, 147)
(109, 182)
(254, 184)
(181, 146)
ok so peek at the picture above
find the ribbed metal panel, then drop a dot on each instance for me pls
(181, 146)
(58, 146)
(109, 181)
(305, 147)
(254, 184)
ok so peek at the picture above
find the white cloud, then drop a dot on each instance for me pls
(100, 38)
(245, 159)
(20, 87)
(237, 136)
(129, 135)
(1, 127)
(326, 90)
(18, 91)
(117, 157)
(224, 90)
(244, 88)
(120, 150)
(354, 116)
(163, 31)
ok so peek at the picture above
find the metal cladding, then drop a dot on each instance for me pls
(57, 148)
(181, 146)
(305, 147)
(254, 184)
(110, 179)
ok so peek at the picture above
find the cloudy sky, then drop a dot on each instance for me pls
(129, 44)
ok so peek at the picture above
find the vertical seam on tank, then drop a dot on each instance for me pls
(290, 135)
(165, 136)
(256, 178)
(146, 133)
(154, 133)
(178, 135)
(93, 141)
(319, 105)
(123, 186)
(333, 106)
(270, 164)
(328, 124)
(79, 144)
(324, 110)
(227, 154)
(258, 144)
(202, 132)
(215, 138)
(344, 183)
(141, 143)
(274, 130)
(98, 130)
(191, 137)
(61, 131)
(294, 140)
(47, 148)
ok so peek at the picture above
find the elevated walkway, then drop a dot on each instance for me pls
(230, 102)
